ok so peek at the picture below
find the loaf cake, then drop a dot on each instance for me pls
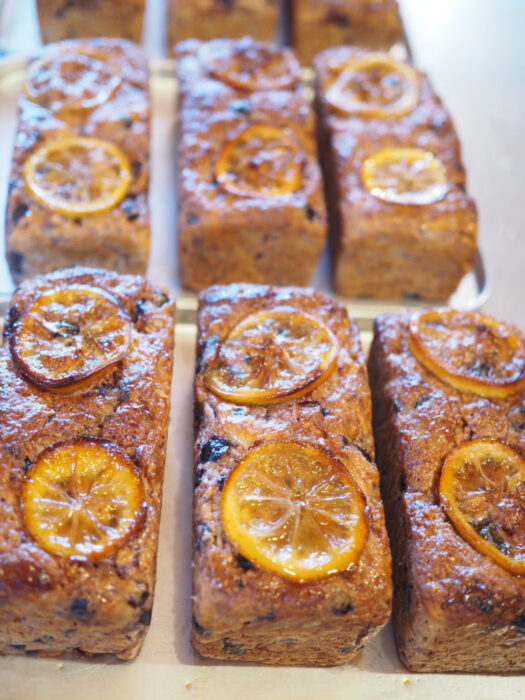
(250, 196)
(448, 394)
(401, 222)
(321, 24)
(212, 19)
(79, 183)
(281, 393)
(77, 19)
(85, 371)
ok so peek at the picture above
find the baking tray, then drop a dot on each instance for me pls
(472, 292)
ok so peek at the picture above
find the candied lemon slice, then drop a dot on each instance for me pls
(405, 176)
(375, 85)
(469, 351)
(295, 511)
(262, 161)
(69, 334)
(82, 499)
(69, 80)
(482, 490)
(78, 176)
(273, 356)
(251, 66)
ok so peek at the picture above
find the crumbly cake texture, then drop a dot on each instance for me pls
(244, 613)
(224, 237)
(39, 240)
(321, 24)
(51, 604)
(211, 19)
(381, 249)
(76, 19)
(454, 608)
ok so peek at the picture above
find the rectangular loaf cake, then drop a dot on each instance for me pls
(390, 242)
(77, 19)
(455, 608)
(77, 549)
(93, 89)
(212, 19)
(244, 610)
(250, 197)
(321, 24)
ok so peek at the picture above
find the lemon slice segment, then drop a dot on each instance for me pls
(262, 161)
(83, 499)
(251, 66)
(78, 176)
(409, 176)
(375, 86)
(70, 81)
(295, 511)
(69, 334)
(273, 356)
(482, 490)
(469, 351)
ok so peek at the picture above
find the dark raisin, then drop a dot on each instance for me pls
(141, 600)
(198, 628)
(422, 400)
(145, 617)
(44, 639)
(232, 648)
(16, 262)
(220, 482)
(344, 610)
(18, 647)
(27, 465)
(136, 168)
(130, 209)
(519, 623)
(139, 310)
(79, 608)
(199, 473)
(346, 650)
(364, 452)
(202, 535)
(325, 412)
(214, 449)
(20, 211)
(345, 440)
(244, 563)
(484, 605)
(311, 214)
(241, 107)
(192, 219)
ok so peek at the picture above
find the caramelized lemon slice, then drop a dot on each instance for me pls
(273, 356)
(78, 176)
(469, 351)
(482, 489)
(83, 499)
(250, 66)
(70, 334)
(295, 511)
(262, 161)
(405, 176)
(375, 85)
(69, 80)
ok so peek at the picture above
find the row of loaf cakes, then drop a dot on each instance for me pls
(79, 182)
(315, 24)
(401, 221)
(249, 187)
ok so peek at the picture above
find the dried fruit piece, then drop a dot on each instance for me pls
(83, 499)
(482, 490)
(262, 161)
(375, 85)
(409, 176)
(251, 66)
(273, 356)
(78, 176)
(295, 511)
(469, 351)
(71, 81)
(67, 335)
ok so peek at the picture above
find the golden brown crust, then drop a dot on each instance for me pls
(39, 240)
(454, 608)
(382, 249)
(51, 604)
(74, 19)
(224, 237)
(244, 613)
(320, 24)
